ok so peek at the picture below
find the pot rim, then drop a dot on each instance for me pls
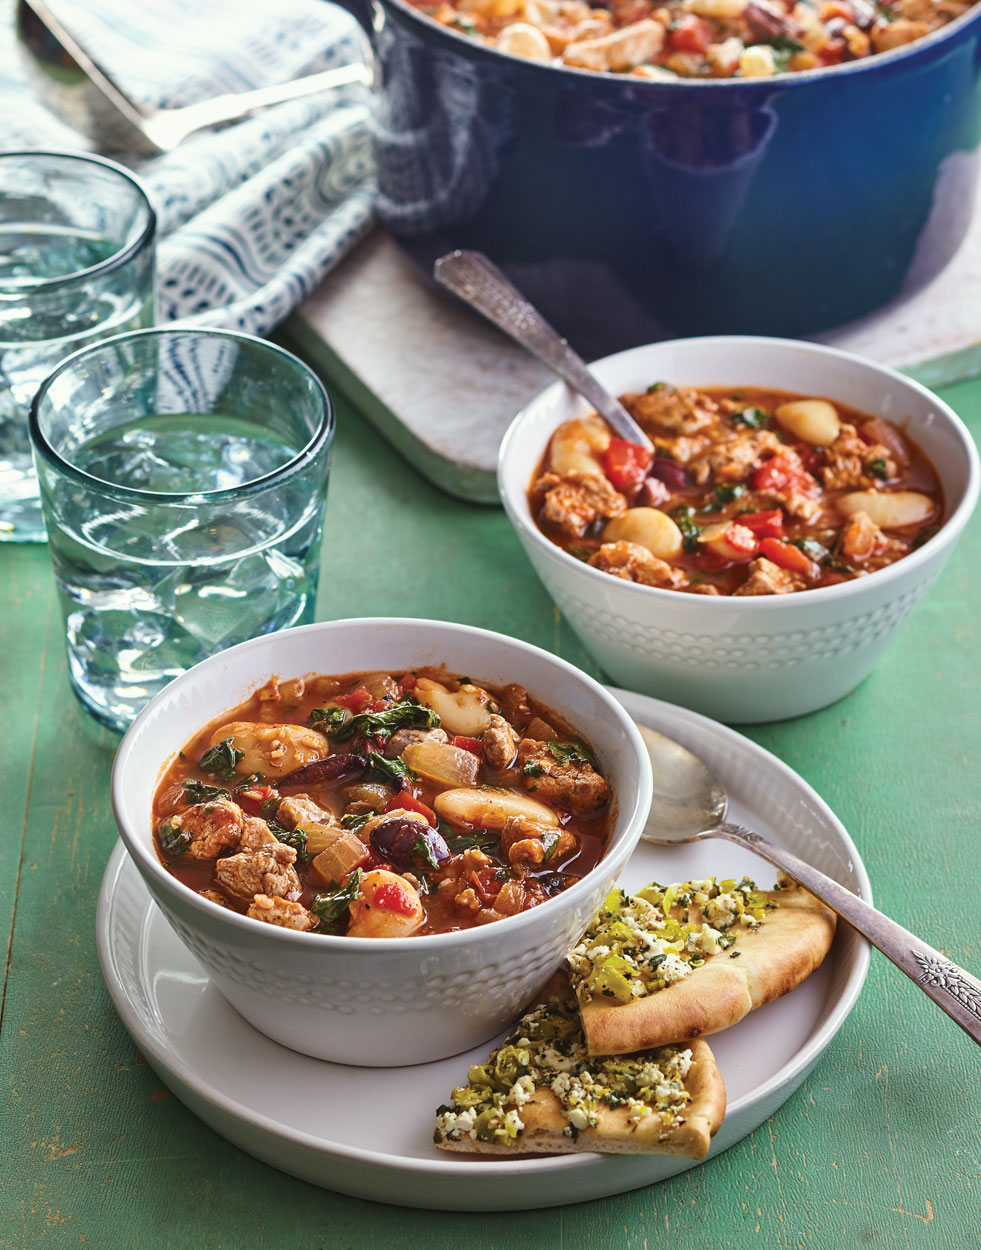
(895, 58)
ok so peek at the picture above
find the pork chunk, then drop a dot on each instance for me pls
(403, 738)
(283, 912)
(560, 775)
(677, 409)
(526, 841)
(500, 743)
(767, 578)
(848, 462)
(213, 827)
(633, 563)
(262, 866)
(577, 500)
(735, 458)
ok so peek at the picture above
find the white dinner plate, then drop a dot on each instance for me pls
(368, 1131)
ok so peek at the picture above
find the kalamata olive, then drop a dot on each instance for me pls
(670, 472)
(335, 769)
(409, 844)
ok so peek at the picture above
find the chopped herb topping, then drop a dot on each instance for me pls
(879, 469)
(754, 418)
(729, 493)
(570, 753)
(690, 533)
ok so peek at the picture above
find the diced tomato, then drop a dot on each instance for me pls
(779, 474)
(378, 705)
(763, 524)
(408, 802)
(406, 683)
(473, 745)
(394, 897)
(485, 882)
(356, 701)
(374, 860)
(626, 464)
(691, 34)
(786, 556)
(252, 799)
(837, 8)
(741, 539)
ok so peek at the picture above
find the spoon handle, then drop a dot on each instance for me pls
(951, 988)
(479, 282)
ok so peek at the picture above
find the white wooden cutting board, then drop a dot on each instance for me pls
(442, 385)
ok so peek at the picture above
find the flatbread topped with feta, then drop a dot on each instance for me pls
(672, 963)
(541, 1093)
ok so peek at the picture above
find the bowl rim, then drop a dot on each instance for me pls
(153, 870)
(891, 59)
(519, 513)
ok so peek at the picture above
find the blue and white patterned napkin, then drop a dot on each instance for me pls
(250, 217)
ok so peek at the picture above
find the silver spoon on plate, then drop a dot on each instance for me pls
(82, 94)
(690, 804)
(479, 282)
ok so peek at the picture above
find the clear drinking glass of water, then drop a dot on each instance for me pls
(76, 264)
(183, 475)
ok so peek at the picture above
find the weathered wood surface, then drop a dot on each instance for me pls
(880, 1147)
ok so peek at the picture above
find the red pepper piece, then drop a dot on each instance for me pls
(406, 683)
(393, 897)
(473, 745)
(626, 464)
(691, 34)
(763, 524)
(486, 883)
(407, 801)
(356, 701)
(787, 556)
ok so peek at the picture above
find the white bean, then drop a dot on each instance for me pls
(273, 750)
(576, 444)
(758, 62)
(488, 809)
(369, 919)
(523, 39)
(814, 421)
(720, 10)
(889, 510)
(648, 527)
(464, 713)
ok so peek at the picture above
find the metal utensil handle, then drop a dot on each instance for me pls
(950, 987)
(237, 104)
(479, 282)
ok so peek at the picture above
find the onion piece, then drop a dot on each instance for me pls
(442, 764)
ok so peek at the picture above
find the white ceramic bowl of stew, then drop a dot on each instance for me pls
(745, 659)
(366, 1001)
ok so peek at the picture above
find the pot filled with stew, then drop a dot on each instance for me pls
(642, 169)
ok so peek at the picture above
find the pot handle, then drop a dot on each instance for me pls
(362, 11)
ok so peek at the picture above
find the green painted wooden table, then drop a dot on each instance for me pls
(880, 1146)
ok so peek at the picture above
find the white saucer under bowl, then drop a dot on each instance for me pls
(367, 1131)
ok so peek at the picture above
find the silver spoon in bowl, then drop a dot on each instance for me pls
(690, 804)
(83, 95)
(479, 282)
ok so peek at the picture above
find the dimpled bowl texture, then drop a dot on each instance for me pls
(744, 659)
(357, 1000)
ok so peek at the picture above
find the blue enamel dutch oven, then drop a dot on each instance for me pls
(630, 210)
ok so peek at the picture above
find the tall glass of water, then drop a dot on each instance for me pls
(183, 475)
(76, 264)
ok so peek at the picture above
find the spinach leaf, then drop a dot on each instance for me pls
(810, 547)
(220, 761)
(332, 905)
(201, 792)
(386, 770)
(354, 820)
(329, 719)
(571, 753)
(753, 418)
(690, 532)
(173, 839)
(481, 840)
(295, 838)
(726, 494)
(549, 842)
(406, 714)
(879, 469)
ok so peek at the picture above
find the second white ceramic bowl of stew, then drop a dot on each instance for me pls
(745, 659)
(362, 1000)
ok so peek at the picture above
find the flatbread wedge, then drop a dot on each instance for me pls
(540, 1093)
(745, 959)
